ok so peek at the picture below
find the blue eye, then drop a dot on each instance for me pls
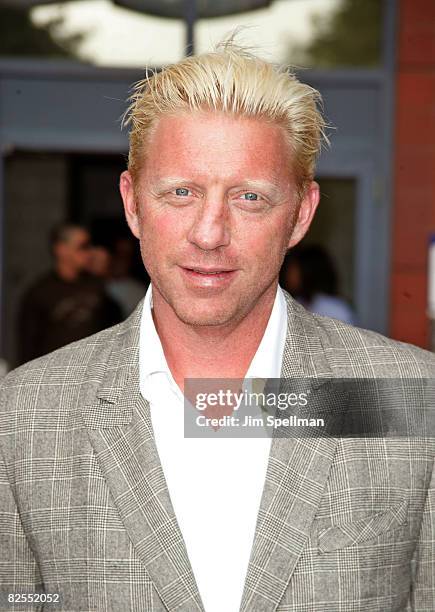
(249, 195)
(182, 191)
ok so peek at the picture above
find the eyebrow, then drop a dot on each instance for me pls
(169, 182)
(258, 185)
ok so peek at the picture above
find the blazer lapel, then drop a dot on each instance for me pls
(120, 430)
(296, 475)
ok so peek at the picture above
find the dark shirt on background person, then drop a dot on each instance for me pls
(68, 303)
(55, 312)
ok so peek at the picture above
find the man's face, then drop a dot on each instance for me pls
(75, 250)
(216, 211)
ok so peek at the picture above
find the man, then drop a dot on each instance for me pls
(67, 303)
(102, 499)
(123, 286)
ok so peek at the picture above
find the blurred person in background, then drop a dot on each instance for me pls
(122, 286)
(309, 274)
(100, 265)
(67, 303)
(100, 262)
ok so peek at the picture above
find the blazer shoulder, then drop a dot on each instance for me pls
(79, 351)
(372, 352)
(352, 351)
(39, 383)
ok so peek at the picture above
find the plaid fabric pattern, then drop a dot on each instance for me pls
(344, 524)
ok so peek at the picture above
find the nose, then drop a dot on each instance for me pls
(210, 229)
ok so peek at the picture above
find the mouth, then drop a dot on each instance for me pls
(207, 271)
(208, 277)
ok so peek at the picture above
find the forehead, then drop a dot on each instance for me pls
(214, 143)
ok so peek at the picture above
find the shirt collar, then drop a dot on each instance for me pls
(151, 356)
(266, 362)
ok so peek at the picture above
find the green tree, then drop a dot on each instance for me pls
(349, 36)
(19, 36)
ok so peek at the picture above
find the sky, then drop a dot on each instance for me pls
(120, 37)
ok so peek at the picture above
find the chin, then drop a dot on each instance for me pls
(203, 320)
(202, 317)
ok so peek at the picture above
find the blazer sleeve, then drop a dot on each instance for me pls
(423, 587)
(19, 571)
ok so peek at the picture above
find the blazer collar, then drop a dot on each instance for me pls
(122, 358)
(304, 353)
(120, 430)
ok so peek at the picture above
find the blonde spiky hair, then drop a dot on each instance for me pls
(231, 80)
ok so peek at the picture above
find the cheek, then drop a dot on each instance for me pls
(160, 235)
(160, 227)
(266, 242)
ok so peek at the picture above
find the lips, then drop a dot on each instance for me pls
(207, 278)
(209, 271)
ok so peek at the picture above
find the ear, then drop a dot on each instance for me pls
(307, 209)
(130, 208)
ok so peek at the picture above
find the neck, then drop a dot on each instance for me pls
(223, 351)
(66, 271)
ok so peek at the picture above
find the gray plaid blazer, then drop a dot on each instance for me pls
(344, 524)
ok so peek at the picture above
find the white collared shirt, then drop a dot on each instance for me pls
(215, 485)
